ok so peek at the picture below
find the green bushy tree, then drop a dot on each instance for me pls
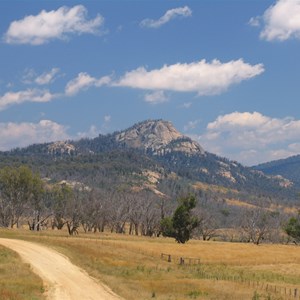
(182, 223)
(292, 228)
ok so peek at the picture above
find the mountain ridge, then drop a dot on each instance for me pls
(158, 144)
(288, 168)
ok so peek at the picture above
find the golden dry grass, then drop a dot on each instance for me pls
(216, 188)
(17, 281)
(239, 203)
(132, 267)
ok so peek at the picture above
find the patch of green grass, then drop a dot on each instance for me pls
(196, 294)
(242, 274)
(17, 281)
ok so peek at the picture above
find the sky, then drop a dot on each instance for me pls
(226, 73)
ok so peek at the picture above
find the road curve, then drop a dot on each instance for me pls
(62, 279)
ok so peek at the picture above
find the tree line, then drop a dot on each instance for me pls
(26, 198)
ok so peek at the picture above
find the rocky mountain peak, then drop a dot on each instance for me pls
(159, 137)
(61, 147)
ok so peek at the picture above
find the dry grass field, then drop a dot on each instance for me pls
(132, 266)
(16, 279)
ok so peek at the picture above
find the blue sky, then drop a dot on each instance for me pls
(226, 73)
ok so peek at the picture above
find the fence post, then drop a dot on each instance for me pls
(295, 293)
(169, 258)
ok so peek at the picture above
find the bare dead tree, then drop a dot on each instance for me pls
(256, 225)
(150, 222)
(207, 226)
(118, 213)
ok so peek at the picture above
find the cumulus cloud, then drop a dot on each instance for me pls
(29, 95)
(92, 132)
(252, 137)
(47, 77)
(241, 120)
(281, 21)
(156, 97)
(84, 81)
(28, 76)
(167, 17)
(204, 78)
(31, 77)
(13, 135)
(50, 25)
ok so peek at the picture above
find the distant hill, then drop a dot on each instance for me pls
(133, 157)
(288, 168)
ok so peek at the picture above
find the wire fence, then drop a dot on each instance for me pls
(285, 292)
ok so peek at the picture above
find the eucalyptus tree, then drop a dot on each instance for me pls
(61, 196)
(19, 188)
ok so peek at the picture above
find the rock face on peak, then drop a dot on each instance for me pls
(61, 147)
(158, 137)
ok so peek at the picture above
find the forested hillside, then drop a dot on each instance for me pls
(288, 168)
(147, 146)
(134, 178)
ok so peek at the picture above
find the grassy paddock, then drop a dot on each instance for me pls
(17, 281)
(133, 268)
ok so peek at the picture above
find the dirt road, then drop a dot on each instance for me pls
(63, 280)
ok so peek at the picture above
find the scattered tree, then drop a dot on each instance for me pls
(257, 225)
(182, 223)
(292, 228)
(17, 187)
(207, 225)
(61, 196)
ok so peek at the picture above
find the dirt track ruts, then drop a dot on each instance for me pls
(62, 279)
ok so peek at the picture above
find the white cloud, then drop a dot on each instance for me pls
(185, 105)
(281, 21)
(105, 127)
(55, 24)
(94, 131)
(255, 21)
(191, 125)
(205, 78)
(83, 81)
(29, 95)
(168, 16)
(13, 135)
(31, 77)
(91, 133)
(156, 97)
(47, 77)
(252, 137)
(242, 120)
(107, 118)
